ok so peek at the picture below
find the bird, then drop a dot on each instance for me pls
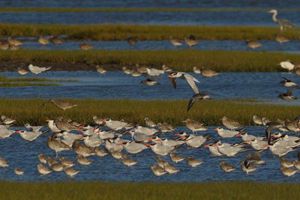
(37, 70)
(71, 172)
(83, 160)
(157, 170)
(29, 135)
(22, 71)
(288, 96)
(43, 40)
(63, 104)
(283, 23)
(189, 79)
(192, 140)
(19, 171)
(288, 171)
(224, 133)
(3, 163)
(132, 40)
(43, 170)
(191, 41)
(149, 82)
(208, 73)
(194, 126)
(176, 42)
(175, 157)
(288, 65)
(193, 162)
(248, 166)
(197, 97)
(154, 72)
(281, 39)
(100, 69)
(196, 70)
(6, 120)
(253, 44)
(288, 83)
(5, 132)
(226, 167)
(85, 46)
(149, 122)
(230, 123)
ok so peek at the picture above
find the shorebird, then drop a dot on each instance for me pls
(287, 65)
(57, 145)
(281, 39)
(149, 82)
(114, 124)
(283, 23)
(149, 123)
(66, 162)
(256, 158)
(286, 163)
(57, 167)
(42, 158)
(191, 41)
(161, 149)
(195, 98)
(37, 69)
(193, 162)
(165, 127)
(101, 152)
(194, 126)
(213, 149)
(224, 133)
(288, 96)
(288, 171)
(226, 167)
(253, 44)
(19, 171)
(22, 71)
(126, 70)
(248, 166)
(189, 79)
(208, 73)
(176, 42)
(6, 120)
(43, 40)
(132, 40)
(259, 144)
(176, 158)
(196, 70)
(63, 104)
(231, 124)
(100, 69)
(289, 83)
(56, 40)
(71, 172)
(246, 137)
(82, 150)
(260, 120)
(14, 42)
(128, 161)
(270, 127)
(145, 130)
(92, 140)
(157, 170)
(83, 160)
(43, 170)
(85, 46)
(3, 162)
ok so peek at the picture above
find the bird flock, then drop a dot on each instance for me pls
(121, 140)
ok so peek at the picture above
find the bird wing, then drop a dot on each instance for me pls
(285, 22)
(191, 81)
(191, 103)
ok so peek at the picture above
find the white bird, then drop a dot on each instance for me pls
(229, 150)
(161, 149)
(144, 130)
(283, 23)
(194, 141)
(224, 133)
(115, 125)
(5, 132)
(259, 144)
(213, 149)
(70, 138)
(134, 147)
(3, 162)
(37, 70)
(155, 72)
(29, 135)
(189, 79)
(287, 65)
(92, 141)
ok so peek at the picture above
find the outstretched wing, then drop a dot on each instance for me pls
(173, 81)
(192, 82)
(191, 103)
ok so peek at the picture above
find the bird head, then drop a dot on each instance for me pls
(273, 11)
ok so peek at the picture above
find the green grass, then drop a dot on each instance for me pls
(145, 32)
(137, 9)
(174, 112)
(181, 60)
(155, 191)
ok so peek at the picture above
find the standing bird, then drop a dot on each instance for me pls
(288, 96)
(281, 39)
(288, 83)
(175, 42)
(253, 44)
(37, 69)
(283, 23)
(191, 41)
(231, 124)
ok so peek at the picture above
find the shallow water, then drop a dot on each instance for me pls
(117, 85)
(20, 153)
(267, 45)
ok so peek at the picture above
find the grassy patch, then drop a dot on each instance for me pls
(145, 32)
(174, 191)
(173, 111)
(138, 9)
(181, 60)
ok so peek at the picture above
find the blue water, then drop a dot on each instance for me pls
(164, 18)
(20, 153)
(151, 3)
(117, 85)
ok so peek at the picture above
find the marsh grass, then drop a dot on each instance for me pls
(155, 191)
(37, 111)
(137, 9)
(181, 60)
(145, 32)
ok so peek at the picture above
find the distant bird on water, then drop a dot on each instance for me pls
(253, 44)
(37, 69)
(288, 65)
